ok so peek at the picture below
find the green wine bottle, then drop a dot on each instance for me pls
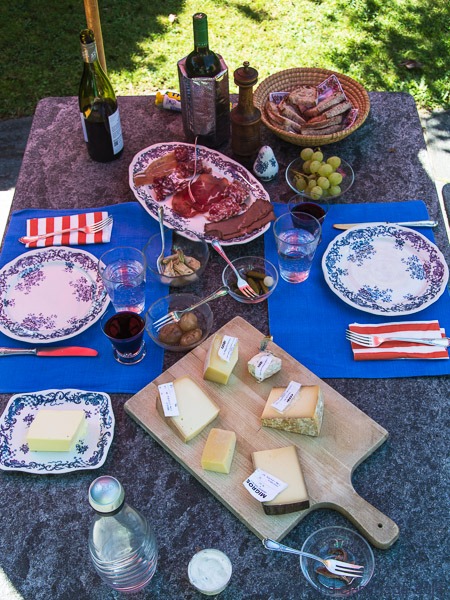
(202, 62)
(98, 105)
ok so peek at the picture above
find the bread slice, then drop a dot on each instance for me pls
(303, 97)
(325, 104)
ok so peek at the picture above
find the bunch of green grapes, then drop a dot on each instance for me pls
(318, 178)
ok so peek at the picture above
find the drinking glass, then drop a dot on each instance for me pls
(317, 209)
(296, 239)
(123, 271)
(125, 331)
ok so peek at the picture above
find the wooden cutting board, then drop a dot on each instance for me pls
(347, 437)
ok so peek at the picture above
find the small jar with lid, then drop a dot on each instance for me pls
(245, 117)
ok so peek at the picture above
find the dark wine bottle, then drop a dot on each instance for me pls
(202, 62)
(98, 105)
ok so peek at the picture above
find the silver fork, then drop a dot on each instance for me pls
(85, 229)
(373, 341)
(175, 315)
(191, 195)
(243, 286)
(338, 567)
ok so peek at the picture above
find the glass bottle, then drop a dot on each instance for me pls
(122, 544)
(98, 105)
(202, 62)
(245, 116)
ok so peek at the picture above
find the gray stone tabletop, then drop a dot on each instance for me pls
(44, 519)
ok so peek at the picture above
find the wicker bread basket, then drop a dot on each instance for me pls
(290, 79)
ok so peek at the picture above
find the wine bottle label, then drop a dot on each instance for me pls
(89, 52)
(116, 132)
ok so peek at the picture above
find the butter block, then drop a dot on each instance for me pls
(264, 365)
(196, 409)
(55, 430)
(216, 368)
(219, 450)
(284, 464)
(303, 416)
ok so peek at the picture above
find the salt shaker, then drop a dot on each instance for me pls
(245, 117)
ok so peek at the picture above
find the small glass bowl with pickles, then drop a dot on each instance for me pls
(315, 175)
(259, 273)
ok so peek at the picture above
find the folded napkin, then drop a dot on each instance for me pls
(42, 225)
(396, 349)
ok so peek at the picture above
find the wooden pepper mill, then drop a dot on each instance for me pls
(245, 117)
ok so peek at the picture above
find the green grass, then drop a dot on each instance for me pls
(366, 39)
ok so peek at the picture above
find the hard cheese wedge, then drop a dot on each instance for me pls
(55, 430)
(196, 409)
(283, 463)
(219, 450)
(216, 368)
(304, 415)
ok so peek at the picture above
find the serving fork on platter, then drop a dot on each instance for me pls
(243, 286)
(337, 567)
(94, 228)
(175, 315)
(373, 341)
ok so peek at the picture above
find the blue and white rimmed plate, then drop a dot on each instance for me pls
(90, 450)
(220, 165)
(50, 294)
(385, 269)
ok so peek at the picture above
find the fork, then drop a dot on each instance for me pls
(373, 341)
(175, 315)
(160, 258)
(94, 228)
(191, 195)
(243, 286)
(338, 567)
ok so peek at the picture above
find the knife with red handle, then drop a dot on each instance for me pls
(49, 351)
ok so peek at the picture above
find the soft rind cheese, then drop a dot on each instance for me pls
(283, 463)
(219, 450)
(216, 368)
(303, 416)
(273, 366)
(196, 409)
(55, 430)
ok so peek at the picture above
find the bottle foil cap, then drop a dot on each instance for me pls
(106, 494)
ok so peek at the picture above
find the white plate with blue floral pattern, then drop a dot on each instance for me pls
(385, 269)
(50, 294)
(89, 452)
(220, 165)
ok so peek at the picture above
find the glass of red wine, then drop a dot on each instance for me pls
(299, 204)
(125, 331)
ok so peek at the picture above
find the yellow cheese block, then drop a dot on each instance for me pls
(55, 430)
(216, 368)
(219, 450)
(283, 463)
(196, 409)
(304, 415)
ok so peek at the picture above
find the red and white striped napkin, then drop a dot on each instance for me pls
(77, 238)
(393, 350)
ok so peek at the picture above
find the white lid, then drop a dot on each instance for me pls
(106, 494)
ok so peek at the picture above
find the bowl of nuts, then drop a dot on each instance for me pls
(185, 334)
(259, 273)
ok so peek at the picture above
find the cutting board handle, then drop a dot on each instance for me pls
(381, 531)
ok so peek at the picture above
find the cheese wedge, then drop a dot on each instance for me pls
(216, 368)
(304, 415)
(196, 409)
(218, 451)
(55, 430)
(264, 365)
(283, 463)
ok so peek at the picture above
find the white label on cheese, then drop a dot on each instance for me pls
(262, 365)
(168, 399)
(286, 398)
(263, 486)
(227, 346)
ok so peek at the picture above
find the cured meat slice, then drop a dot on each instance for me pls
(231, 202)
(206, 189)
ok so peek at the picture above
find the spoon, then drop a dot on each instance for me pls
(160, 258)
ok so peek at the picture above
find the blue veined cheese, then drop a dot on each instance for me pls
(55, 430)
(304, 415)
(264, 365)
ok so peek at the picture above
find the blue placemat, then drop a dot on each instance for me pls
(132, 227)
(308, 320)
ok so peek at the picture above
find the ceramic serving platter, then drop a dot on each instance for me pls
(221, 166)
(90, 450)
(50, 294)
(385, 269)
